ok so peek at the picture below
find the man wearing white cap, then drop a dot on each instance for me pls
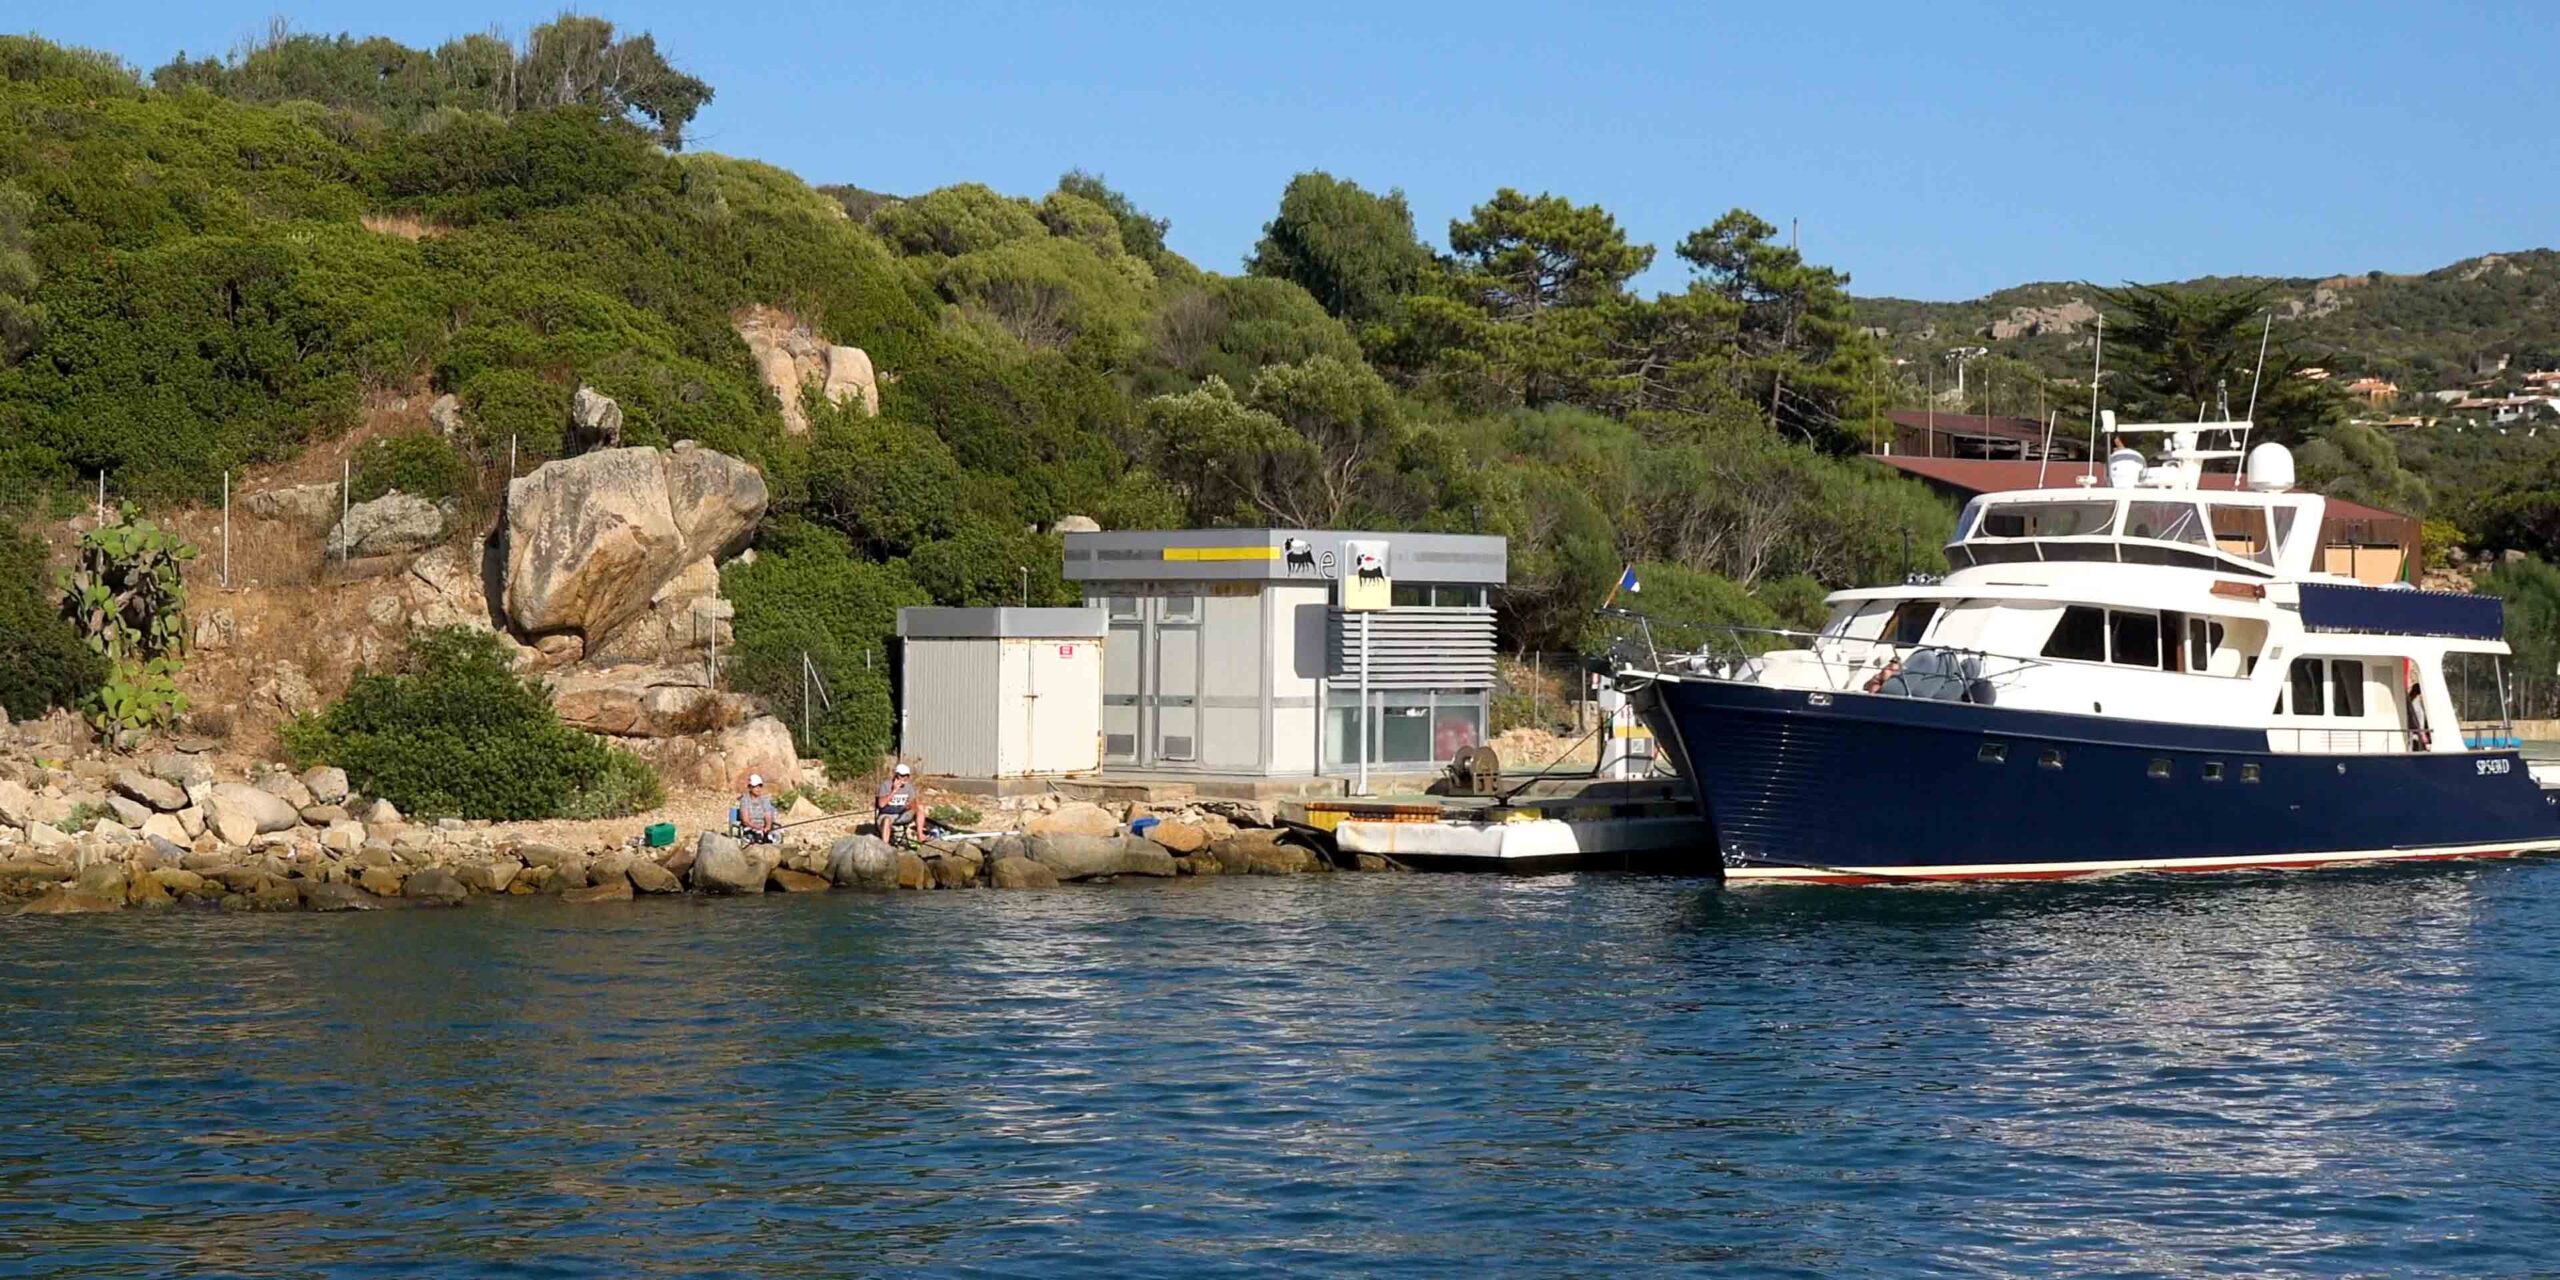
(758, 817)
(895, 802)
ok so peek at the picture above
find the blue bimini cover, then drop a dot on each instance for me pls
(2400, 612)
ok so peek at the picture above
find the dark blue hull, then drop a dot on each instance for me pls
(1806, 785)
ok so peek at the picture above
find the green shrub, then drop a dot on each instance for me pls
(956, 815)
(127, 595)
(421, 464)
(805, 592)
(43, 663)
(458, 734)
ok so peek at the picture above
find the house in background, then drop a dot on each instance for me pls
(1930, 434)
(2373, 390)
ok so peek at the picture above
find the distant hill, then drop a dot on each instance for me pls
(2428, 330)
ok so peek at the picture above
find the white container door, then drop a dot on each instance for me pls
(1057, 707)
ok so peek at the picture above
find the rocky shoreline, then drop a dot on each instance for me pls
(160, 831)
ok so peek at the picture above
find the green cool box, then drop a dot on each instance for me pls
(660, 834)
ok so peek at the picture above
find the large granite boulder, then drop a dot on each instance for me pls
(1075, 857)
(393, 524)
(724, 865)
(236, 804)
(862, 862)
(592, 540)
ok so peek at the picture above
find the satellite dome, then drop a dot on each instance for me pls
(2269, 469)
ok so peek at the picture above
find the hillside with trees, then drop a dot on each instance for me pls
(227, 261)
(2440, 328)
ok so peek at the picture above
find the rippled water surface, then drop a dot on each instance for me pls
(2342, 1072)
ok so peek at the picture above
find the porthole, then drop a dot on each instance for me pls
(2051, 758)
(2213, 771)
(2159, 766)
(1993, 753)
(2248, 773)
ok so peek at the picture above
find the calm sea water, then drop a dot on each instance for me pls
(2342, 1072)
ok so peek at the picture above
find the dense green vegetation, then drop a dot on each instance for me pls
(457, 734)
(43, 662)
(215, 266)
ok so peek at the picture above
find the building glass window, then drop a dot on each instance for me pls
(1410, 595)
(1124, 606)
(1181, 609)
(1448, 597)
(1404, 728)
(1408, 728)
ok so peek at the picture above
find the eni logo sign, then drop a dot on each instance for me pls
(1366, 588)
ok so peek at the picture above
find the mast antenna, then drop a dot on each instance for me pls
(2254, 375)
(2097, 368)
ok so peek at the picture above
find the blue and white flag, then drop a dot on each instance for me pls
(1627, 581)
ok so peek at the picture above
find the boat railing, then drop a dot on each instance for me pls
(1948, 673)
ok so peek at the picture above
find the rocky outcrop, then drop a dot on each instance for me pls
(790, 357)
(724, 758)
(446, 415)
(393, 524)
(593, 542)
(305, 506)
(595, 419)
(646, 701)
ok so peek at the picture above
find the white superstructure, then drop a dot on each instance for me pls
(2148, 598)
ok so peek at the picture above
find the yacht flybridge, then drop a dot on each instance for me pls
(2134, 674)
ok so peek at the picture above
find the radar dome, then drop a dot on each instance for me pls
(2124, 468)
(2269, 469)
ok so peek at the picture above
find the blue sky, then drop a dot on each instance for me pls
(1932, 150)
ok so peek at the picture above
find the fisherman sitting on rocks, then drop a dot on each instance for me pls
(895, 803)
(756, 815)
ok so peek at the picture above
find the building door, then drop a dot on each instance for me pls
(1174, 684)
(1124, 667)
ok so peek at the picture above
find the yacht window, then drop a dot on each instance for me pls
(2283, 516)
(2203, 637)
(2248, 773)
(2305, 678)
(2080, 636)
(2213, 771)
(1911, 621)
(2136, 639)
(2166, 522)
(2046, 520)
(2346, 688)
(2242, 531)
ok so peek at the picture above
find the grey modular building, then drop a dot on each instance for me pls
(1226, 652)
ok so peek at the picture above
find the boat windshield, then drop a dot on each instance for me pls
(2042, 520)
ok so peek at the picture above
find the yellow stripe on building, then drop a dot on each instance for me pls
(1222, 553)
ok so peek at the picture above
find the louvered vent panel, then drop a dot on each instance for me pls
(1413, 648)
